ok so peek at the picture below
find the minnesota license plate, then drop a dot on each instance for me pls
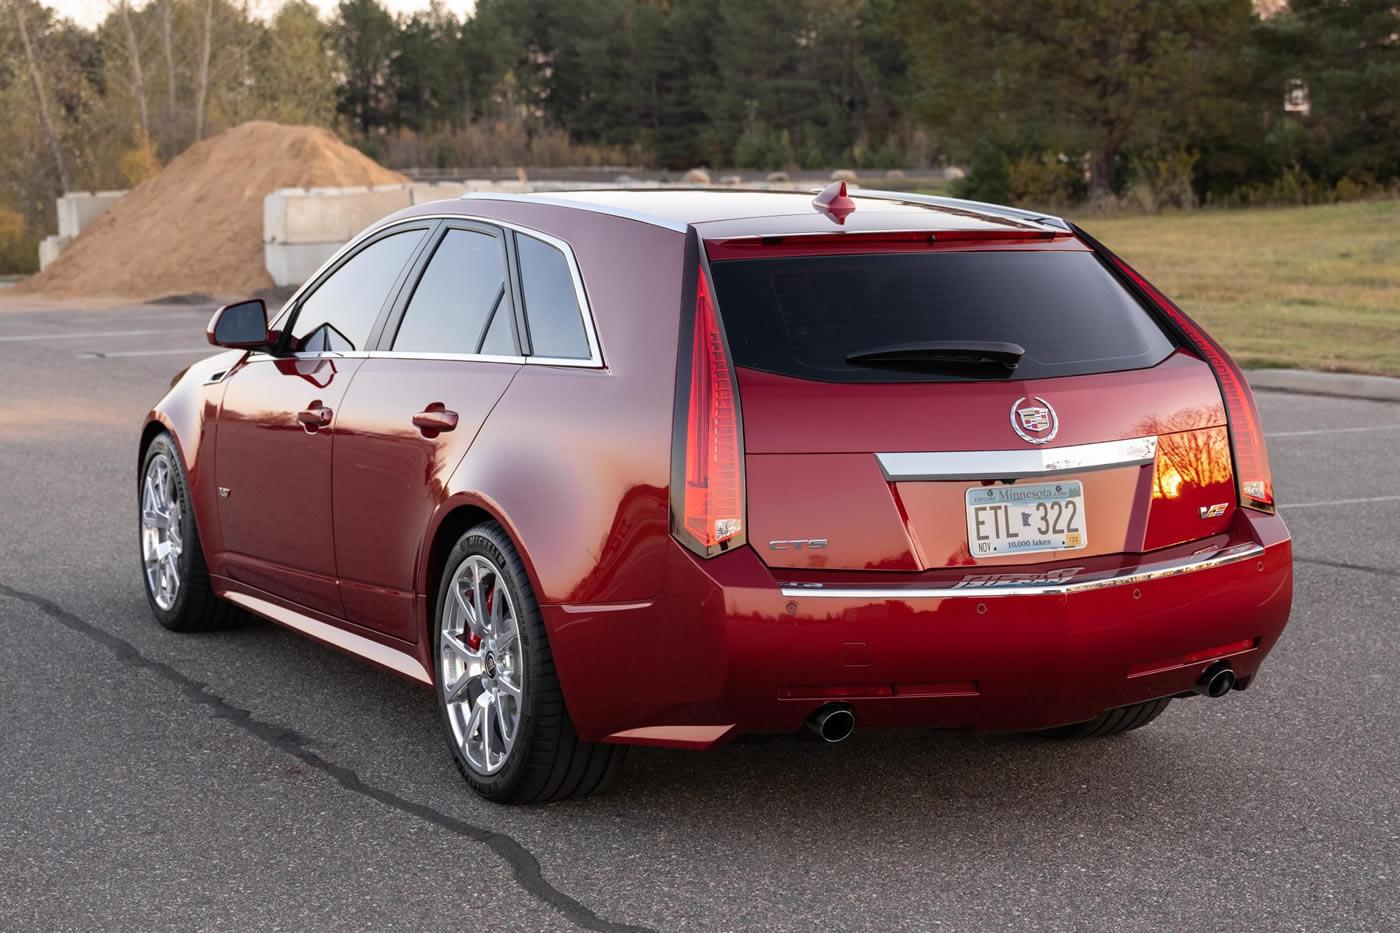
(1021, 519)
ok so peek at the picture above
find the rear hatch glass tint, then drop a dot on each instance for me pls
(802, 316)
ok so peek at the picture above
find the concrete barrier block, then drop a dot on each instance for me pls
(294, 263)
(424, 192)
(51, 246)
(77, 209)
(325, 215)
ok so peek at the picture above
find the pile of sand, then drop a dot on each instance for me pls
(197, 226)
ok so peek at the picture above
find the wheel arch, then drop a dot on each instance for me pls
(454, 518)
(157, 423)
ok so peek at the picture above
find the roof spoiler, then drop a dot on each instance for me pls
(982, 206)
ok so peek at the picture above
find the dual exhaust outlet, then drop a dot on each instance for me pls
(1218, 680)
(832, 723)
(835, 722)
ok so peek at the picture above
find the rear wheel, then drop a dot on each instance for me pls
(172, 560)
(501, 704)
(1122, 719)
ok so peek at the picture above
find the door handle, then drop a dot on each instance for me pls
(435, 419)
(314, 417)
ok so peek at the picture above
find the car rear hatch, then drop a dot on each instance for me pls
(932, 402)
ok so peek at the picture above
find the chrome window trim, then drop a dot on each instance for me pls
(590, 206)
(595, 353)
(595, 349)
(1123, 577)
(1015, 464)
(395, 355)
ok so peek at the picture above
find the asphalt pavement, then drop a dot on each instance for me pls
(252, 779)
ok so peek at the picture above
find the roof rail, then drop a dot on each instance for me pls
(596, 208)
(983, 206)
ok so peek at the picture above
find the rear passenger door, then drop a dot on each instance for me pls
(447, 353)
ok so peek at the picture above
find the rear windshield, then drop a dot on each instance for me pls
(802, 316)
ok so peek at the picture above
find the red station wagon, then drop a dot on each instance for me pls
(663, 468)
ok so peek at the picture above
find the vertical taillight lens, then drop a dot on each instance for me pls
(1252, 477)
(710, 513)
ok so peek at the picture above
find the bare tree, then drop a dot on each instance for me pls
(169, 135)
(202, 90)
(40, 98)
(138, 82)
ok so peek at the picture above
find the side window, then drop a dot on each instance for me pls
(459, 305)
(551, 304)
(340, 313)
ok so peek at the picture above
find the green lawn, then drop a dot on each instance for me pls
(1311, 287)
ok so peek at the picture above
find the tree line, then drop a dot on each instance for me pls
(1155, 101)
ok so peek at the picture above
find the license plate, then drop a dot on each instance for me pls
(1022, 519)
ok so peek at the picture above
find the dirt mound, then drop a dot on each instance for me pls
(197, 226)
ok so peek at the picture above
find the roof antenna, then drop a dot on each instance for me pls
(833, 202)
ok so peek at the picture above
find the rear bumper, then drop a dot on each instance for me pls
(731, 646)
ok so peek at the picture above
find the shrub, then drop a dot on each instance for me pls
(19, 254)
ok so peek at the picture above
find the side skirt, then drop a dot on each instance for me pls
(397, 661)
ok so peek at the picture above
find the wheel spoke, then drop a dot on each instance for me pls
(456, 691)
(507, 686)
(478, 600)
(462, 607)
(505, 641)
(463, 653)
(154, 519)
(507, 736)
(498, 601)
(486, 700)
(473, 723)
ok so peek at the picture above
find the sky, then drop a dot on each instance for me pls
(92, 12)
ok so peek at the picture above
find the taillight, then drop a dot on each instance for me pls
(1252, 476)
(709, 516)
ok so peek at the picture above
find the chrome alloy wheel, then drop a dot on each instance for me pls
(161, 542)
(482, 664)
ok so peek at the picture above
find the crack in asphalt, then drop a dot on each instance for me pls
(1344, 566)
(523, 864)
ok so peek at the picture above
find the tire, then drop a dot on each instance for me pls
(1122, 719)
(497, 686)
(178, 588)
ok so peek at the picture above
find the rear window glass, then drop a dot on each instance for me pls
(802, 316)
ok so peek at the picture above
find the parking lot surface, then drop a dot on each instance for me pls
(252, 779)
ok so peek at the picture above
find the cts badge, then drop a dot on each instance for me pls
(798, 544)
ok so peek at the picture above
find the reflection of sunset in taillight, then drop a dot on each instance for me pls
(1255, 483)
(1190, 459)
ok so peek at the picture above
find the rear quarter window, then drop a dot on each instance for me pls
(552, 310)
(802, 316)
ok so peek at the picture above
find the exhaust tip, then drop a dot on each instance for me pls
(1217, 680)
(832, 723)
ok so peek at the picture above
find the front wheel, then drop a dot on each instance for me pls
(172, 562)
(501, 704)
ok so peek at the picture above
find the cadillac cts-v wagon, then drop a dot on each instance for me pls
(668, 467)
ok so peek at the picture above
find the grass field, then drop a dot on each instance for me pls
(1310, 287)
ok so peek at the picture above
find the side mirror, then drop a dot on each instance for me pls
(240, 326)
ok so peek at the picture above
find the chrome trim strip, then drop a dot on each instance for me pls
(397, 661)
(592, 206)
(1015, 464)
(1124, 577)
(590, 328)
